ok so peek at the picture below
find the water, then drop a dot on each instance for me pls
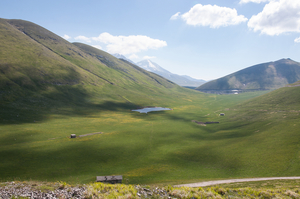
(146, 110)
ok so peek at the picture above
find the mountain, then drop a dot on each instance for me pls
(266, 76)
(182, 80)
(39, 66)
(193, 79)
(119, 56)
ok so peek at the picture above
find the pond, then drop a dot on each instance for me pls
(146, 110)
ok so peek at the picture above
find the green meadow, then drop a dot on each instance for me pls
(159, 147)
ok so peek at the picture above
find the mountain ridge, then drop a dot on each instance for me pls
(265, 76)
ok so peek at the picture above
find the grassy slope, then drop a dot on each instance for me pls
(270, 75)
(266, 134)
(98, 63)
(40, 69)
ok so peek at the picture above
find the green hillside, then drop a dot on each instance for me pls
(264, 132)
(36, 61)
(265, 76)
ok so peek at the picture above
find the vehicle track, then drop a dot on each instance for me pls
(216, 182)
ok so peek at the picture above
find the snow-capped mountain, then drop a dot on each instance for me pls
(152, 67)
(182, 80)
(119, 56)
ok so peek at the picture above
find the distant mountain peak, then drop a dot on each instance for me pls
(287, 61)
(151, 66)
(182, 80)
(120, 56)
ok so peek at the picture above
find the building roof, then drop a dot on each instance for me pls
(109, 178)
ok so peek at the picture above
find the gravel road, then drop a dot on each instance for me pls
(216, 182)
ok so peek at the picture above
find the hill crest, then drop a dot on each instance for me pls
(265, 76)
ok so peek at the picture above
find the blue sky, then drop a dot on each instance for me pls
(205, 39)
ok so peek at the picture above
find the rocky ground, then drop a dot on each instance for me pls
(61, 190)
(27, 190)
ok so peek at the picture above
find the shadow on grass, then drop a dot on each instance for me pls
(63, 159)
(58, 160)
(229, 129)
(62, 100)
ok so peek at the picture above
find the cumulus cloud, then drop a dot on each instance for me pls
(253, 1)
(83, 38)
(297, 40)
(212, 16)
(66, 37)
(149, 57)
(175, 16)
(277, 17)
(129, 44)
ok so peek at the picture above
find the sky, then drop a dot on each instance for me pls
(204, 39)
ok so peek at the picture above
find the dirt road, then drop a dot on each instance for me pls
(216, 182)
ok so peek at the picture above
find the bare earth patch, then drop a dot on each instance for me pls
(89, 134)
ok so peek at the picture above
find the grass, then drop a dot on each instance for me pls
(159, 147)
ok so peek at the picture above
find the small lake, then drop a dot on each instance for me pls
(146, 110)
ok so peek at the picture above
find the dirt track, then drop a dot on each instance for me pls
(216, 182)
(89, 134)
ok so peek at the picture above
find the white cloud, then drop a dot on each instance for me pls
(175, 16)
(212, 16)
(83, 38)
(277, 17)
(97, 46)
(297, 40)
(133, 56)
(66, 37)
(129, 44)
(149, 57)
(253, 1)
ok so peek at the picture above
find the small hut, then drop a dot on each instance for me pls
(222, 114)
(73, 136)
(110, 179)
